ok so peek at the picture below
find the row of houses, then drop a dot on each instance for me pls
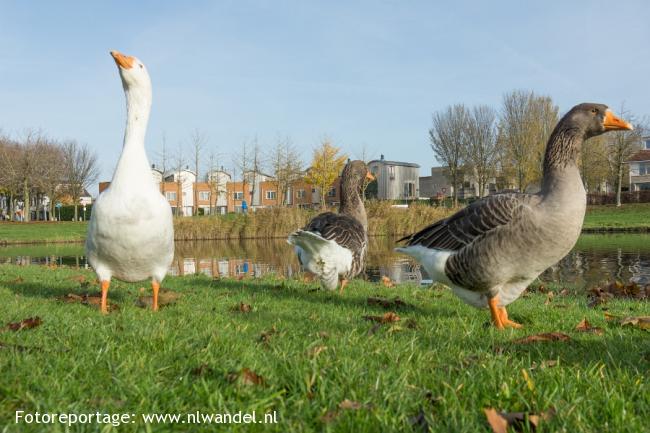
(396, 180)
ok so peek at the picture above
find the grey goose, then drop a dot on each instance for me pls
(333, 246)
(490, 251)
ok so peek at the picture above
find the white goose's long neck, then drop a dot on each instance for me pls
(133, 165)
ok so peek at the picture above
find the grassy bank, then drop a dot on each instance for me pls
(630, 217)
(308, 352)
(63, 231)
(383, 220)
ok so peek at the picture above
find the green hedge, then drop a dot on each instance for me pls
(67, 212)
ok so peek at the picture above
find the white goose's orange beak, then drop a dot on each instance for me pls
(125, 62)
(613, 123)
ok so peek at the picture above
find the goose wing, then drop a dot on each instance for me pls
(472, 222)
(342, 229)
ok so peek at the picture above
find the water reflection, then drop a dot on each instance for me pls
(594, 259)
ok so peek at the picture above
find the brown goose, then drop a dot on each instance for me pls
(490, 251)
(333, 246)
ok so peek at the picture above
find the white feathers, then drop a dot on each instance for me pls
(322, 257)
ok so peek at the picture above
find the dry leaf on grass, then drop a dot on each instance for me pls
(544, 364)
(546, 336)
(350, 405)
(642, 322)
(201, 370)
(386, 318)
(87, 299)
(386, 281)
(245, 376)
(29, 323)
(265, 336)
(549, 298)
(165, 297)
(242, 308)
(396, 302)
(316, 350)
(585, 326)
(500, 421)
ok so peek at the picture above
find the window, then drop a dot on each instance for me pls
(170, 195)
(647, 144)
(391, 172)
(313, 190)
(409, 189)
(300, 193)
(271, 195)
(644, 168)
(238, 195)
(204, 195)
(331, 192)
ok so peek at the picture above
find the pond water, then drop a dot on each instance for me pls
(596, 258)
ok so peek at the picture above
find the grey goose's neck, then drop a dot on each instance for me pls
(561, 158)
(352, 204)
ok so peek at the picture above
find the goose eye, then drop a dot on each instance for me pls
(593, 110)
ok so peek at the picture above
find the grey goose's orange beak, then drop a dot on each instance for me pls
(370, 176)
(125, 62)
(614, 123)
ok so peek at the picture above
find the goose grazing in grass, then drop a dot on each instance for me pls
(131, 235)
(490, 251)
(333, 246)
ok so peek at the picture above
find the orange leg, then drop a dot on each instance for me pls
(103, 306)
(507, 322)
(344, 283)
(493, 303)
(156, 287)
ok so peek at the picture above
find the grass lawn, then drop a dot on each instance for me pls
(607, 217)
(63, 231)
(439, 366)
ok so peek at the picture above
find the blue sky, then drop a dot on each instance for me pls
(363, 73)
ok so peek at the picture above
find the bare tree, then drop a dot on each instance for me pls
(286, 165)
(241, 160)
(52, 174)
(449, 141)
(482, 138)
(164, 156)
(9, 173)
(594, 163)
(526, 123)
(213, 178)
(197, 141)
(621, 145)
(81, 170)
(179, 165)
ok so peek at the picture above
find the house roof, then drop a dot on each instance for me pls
(404, 164)
(641, 155)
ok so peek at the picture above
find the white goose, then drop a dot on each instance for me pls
(131, 232)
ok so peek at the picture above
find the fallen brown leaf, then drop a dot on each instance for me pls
(329, 416)
(242, 308)
(265, 336)
(500, 421)
(642, 322)
(78, 278)
(316, 350)
(396, 302)
(246, 376)
(86, 299)
(585, 326)
(546, 336)
(386, 318)
(545, 364)
(386, 281)
(549, 298)
(29, 323)
(350, 405)
(201, 370)
(165, 297)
